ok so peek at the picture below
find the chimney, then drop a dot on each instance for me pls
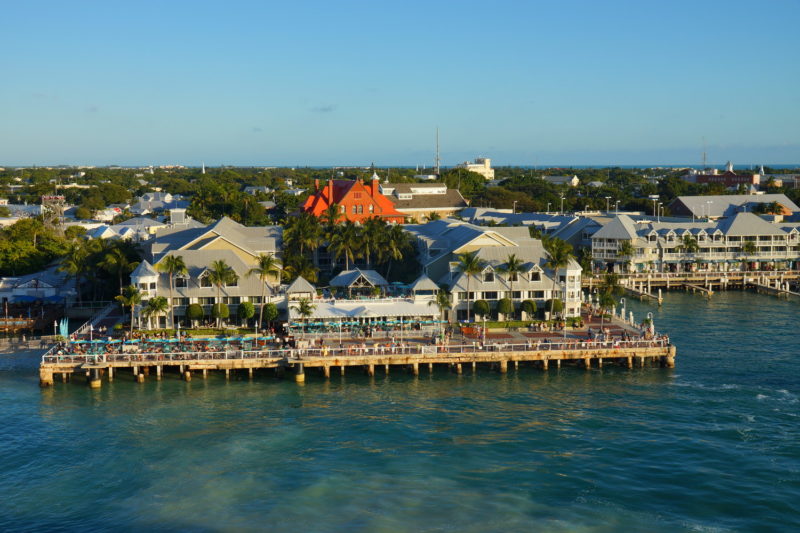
(330, 192)
(316, 185)
(374, 185)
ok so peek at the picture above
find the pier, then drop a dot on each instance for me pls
(141, 366)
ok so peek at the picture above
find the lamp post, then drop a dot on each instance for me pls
(55, 328)
(514, 207)
(658, 217)
(708, 209)
(607, 199)
(654, 206)
(548, 207)
(616, 207)
(562, 204)
(91, 333)
(622, 302)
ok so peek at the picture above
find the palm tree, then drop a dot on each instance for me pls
(469, 264)
(305, 309)
(689, 245)
(221, 274)
(300, 266)
(75, 263)
(330, 217)
(749, 248)
(512, 268)
(346, 243)
(174, 266)
(626, 250)
(396, 244)
(373, 237)
(266, 266)
(155, 307)
(303, 232)
(559, 253)
(130, 297)
(442, 302)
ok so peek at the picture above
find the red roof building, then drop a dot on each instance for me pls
(357, 201)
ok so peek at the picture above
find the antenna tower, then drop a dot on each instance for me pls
(705, 163)
(437, 161)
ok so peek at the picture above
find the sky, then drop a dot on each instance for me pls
(356, 82)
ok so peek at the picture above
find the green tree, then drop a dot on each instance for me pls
(219, 312)
(559, 254)
(305, 309)
(155, 307)
(173, 266)
(469, 264)
(442, 302)
(75, 264)
(270, 312)
(626, 251)
(194, 312)
(221, 274)
(512, 268)
(481, 308)
(130, 297)
(529, 308)
(506, 307)
(749, 249)
(116, 261)
(347, 243)
(267, 265)
(246, 311)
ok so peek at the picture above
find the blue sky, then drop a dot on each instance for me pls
(324, 83)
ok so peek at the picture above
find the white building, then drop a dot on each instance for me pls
(482, 166)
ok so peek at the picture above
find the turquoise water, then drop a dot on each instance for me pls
(712, 446)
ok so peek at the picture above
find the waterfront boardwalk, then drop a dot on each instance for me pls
(498, 355)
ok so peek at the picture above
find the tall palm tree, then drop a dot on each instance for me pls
(512, 268)
(373, 237)
(559, 253)
(470, 265)
(626, 250)
(749, 249)
(115, 261)
(130, 297)
(303, 232)
(689, 245)
(305, 309)
(300, 266)
(75, 263)
(347, 243)
(442, 302)
(155, 307)
(397, 243)
(266, 266)
(174, 266)
(221, 274)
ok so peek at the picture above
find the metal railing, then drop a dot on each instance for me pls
(300, 354)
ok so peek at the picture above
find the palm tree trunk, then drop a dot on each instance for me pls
(261, 307)
(171, 309)
(132, 306)
(468, 298)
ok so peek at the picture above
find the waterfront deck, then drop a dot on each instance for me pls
(185, 364)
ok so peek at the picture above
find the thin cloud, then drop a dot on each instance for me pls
(92, 109)
(256, 129)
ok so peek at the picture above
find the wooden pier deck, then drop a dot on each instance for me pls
(186, 364)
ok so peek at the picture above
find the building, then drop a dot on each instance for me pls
(728, 178)
(156, 202)
(48, 286)
(357, 200)
(728, 205)
(440, 242)
(482, 166)
(419, 201)
(743, 241)
(239, 246)
(570, 181)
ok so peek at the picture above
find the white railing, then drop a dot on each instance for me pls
(300, 354)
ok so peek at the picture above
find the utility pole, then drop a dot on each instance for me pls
(437, 160)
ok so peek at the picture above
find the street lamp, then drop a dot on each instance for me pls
(607, 199)
(708, 209)
(548, 207)
(55, 328)
(658, 217)
(562, 205)
(616, 207)
(622, 302)
(514, 207)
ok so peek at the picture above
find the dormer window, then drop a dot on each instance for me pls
(488, 276)
(181, 283)
(204, 281)
(513, 276)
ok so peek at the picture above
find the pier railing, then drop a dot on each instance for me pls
(300, 354)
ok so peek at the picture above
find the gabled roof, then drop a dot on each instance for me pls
(745, 224)
(424, 283)
(621, 227)
(730, 204)
(346, 278)
(300, 285)
(144, 270)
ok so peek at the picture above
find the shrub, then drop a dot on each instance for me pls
(246, 311)
(529, 307)
(220, 311)
(480, 308)
(194, 312)
(555, 305)
(506, 307)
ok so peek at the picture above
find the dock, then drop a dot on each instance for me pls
(186, 365)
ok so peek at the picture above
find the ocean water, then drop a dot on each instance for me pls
(713, 445)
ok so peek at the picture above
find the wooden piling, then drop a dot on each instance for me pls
(326, 370)
(503, 367)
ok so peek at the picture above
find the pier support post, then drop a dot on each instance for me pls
(342, 369)
(250, 372)
(136, 370)
(503, 367)
(205, 373)
(300, 375)
(516, 365)
(387, 369)
(94, 378)
(140, 377)
(415, 369)
(159, 369)
(430, 368)
(587, 362)
(545, 364)
(227, 373)
(63, 377)
(458, 368)
(370, 370)
(327, 371)
(630, 362)
(146, 370)
(187, 375)
(110, 374)
(45, 377)
(474, 367)
(599, 362)
(558, 364)
(671, 357)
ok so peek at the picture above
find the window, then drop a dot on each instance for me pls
(205, 282)
(178, 302)
(234, 283)
(354, 210)
(490, 295)
(360, 209)
(536, 276)
(488, 276)
(206, 300)
(356, 195)
(153, 286)
(462, 295)
(371, 208)
(143, 286)
(513, 276)
(342, 209)
(536, 295)
(234, 300)
(181, 283)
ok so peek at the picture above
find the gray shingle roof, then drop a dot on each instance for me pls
(730, 204)
(424, 283)
(347, 277)
(300, 285)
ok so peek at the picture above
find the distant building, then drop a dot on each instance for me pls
(571, 181)
(420, 200)
(357, 200)
(482, 166)
(728, 178)
(727, 205)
